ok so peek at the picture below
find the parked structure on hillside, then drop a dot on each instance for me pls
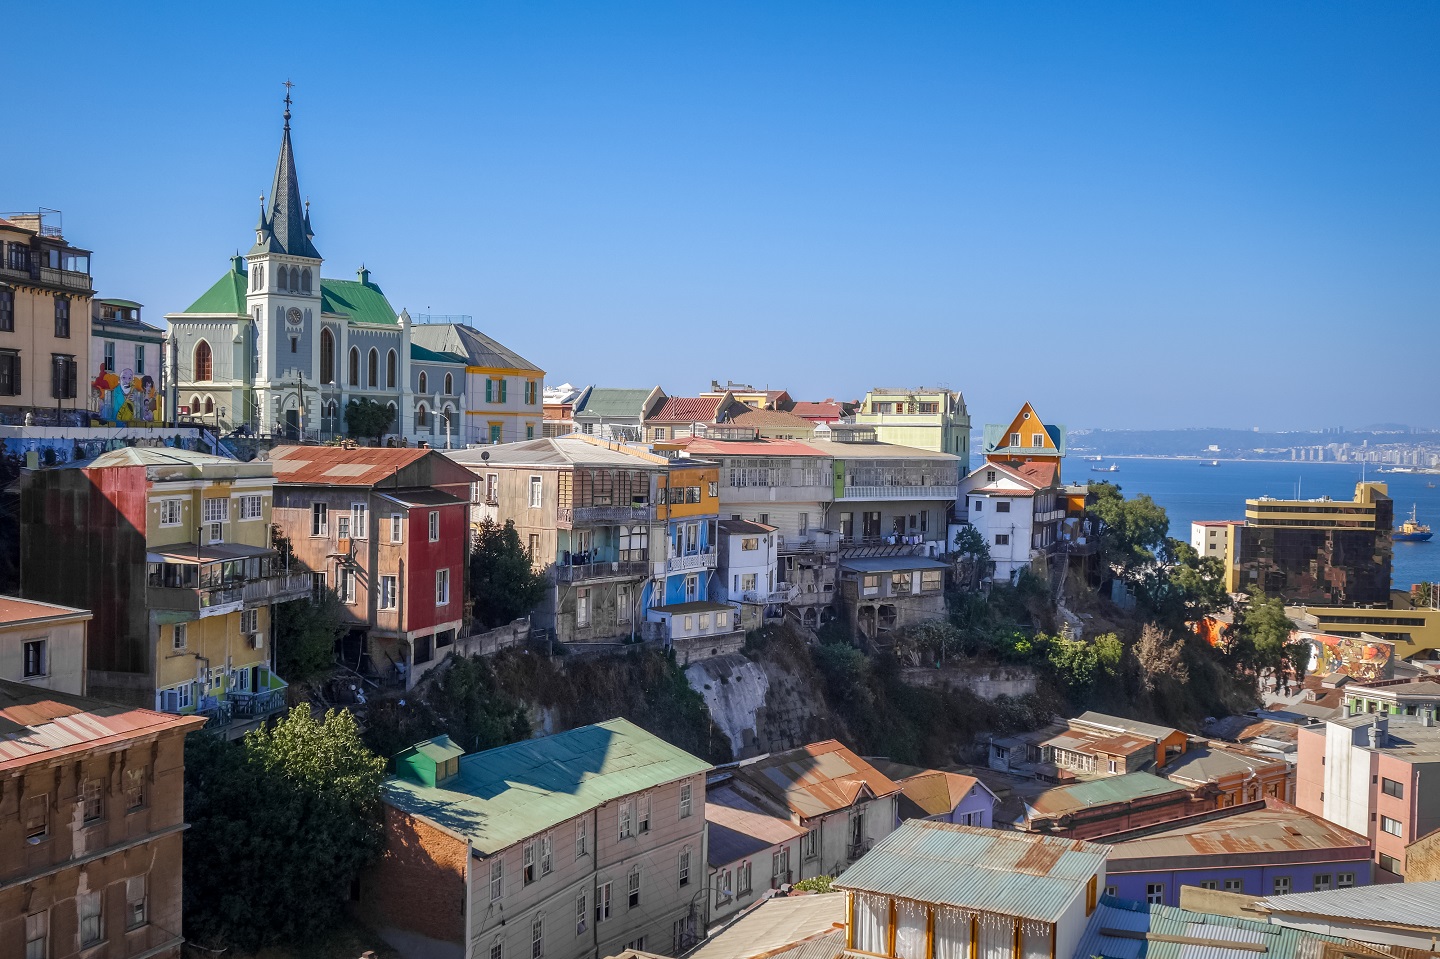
(45, 299)
(172, 550)
(1024, 514)
(1094, 744)
(95, 810)
(576, 845)
(881, 594)
(42, 645)
(388, 532)
(747, 574)
(747, 833)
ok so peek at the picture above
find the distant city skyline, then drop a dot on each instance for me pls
(1135, 216)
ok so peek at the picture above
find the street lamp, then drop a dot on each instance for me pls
(447, 427)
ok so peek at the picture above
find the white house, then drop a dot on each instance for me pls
(1017, 509)
(745, 572)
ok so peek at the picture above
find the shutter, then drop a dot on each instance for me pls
(15, 380)
(71, 385)
(503, 383)
(56, 373)
(489, 390)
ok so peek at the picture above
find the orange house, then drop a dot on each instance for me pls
(1025, 439)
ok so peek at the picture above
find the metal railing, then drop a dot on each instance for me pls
(855, 850)
(576, 572)
(900, 492)
(573, 515)
(680, 564)
(207, 601)
(279, 588)
(255, 705)
(782, 594)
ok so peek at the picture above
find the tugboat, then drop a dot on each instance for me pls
(1211, 463)
(1412, 530)
(1112, 468)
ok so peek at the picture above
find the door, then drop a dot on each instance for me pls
(292, 424)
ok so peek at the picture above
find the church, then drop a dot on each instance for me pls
(276, 347)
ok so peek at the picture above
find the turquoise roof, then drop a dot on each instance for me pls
(418, 352)
(1099, 792)
(1120, 929)
(995, 432)
(504, 795)
(361, 302)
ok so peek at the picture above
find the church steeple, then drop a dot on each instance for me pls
(286, 225)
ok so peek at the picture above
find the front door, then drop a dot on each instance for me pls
(292, 424)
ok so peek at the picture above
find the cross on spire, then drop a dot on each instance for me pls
(288, 86)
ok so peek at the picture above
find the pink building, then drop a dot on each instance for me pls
(1376, 775)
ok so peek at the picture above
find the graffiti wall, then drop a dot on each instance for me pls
(1362, 659)
(124, 399)
(38, 447)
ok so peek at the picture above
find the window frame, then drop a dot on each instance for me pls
(442, 587)
(36, 666)
(319, 519)
(433, 525)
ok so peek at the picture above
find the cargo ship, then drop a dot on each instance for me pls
(1412, 530)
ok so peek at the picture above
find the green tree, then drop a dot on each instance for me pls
(974, 552)
(1265, 638)
(1131, 532)
(305, 634)
(503, 584)
(365, 417)
(465, 701)
(281, 825)
(1080, 665)
(1178, 586)
(820, 884)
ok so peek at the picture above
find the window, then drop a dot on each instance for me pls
(1234, 885)
(623, 602)
(750, 542)
(327, 356)
(35, 658)
(1002, 506)
(37, 931)
(318, 586)
(547, 859)
(1014, 439)
(1037, 440)
(7, 311)
(685, 801)
(434, 521)
(1281, 886)
(347, 585)
(177, 639)
(135, 788)
(390, 368)
(1389, 863)
(602, 902)
(108, 363)
(495, 430)
(685, 867)
(342, 526)
(1322, 881)
(1392, 826)
(92, 800)
(634, 897)
(582, 606)
(1344, 880)
(743, 885)
(203, 368)
(532, 547)
(931, 579)
(37, 818)
(249, 620)
(250, 507)
(397, 525)
(497, 878)
(389, 598)
(1112, 891)
(532, 392)
(1154, 891)
(449, 385)
(537, 938)
(62, 317)
(582, 838)
(216, 509)
(359, 521)
(810, 844)
(87, 907)
(1392, 788)
(354, 366)
(319, 519)
(372, 368)
(1209, 884)
(536, 492)
(627, 813)
(529, 431)
(63, 376)
(582, 913)
(529, 873)
(644, 816)
(135, 902)
(9, 372)
(1002, 539)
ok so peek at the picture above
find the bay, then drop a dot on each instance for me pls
(1190, 492)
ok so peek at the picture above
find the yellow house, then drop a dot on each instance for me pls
(1025, 439)
(503, 390)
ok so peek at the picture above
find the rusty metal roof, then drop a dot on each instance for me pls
(338, 466)
(816, 779)
(15, 611)
(1255, 832)
(1105, 791)
(740, 827)
(40, 724)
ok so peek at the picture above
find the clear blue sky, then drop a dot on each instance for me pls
(1113, 209)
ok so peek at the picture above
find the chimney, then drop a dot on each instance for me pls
(1379, 731)
(1427, 716)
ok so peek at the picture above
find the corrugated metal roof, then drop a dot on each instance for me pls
(338, 466)
(1106, 721)
(38, 724)
(1006, 873)
(686, 409)
(890, 564)
(1099, 792)
(611, 401)
(1222, 937)
(794, 922)
(558, 451)
(503, 795)
(1273, 827)
(815, 779)
(740, 827)
(476, 348)
(1403, 904)
(15, 611)
(1206, 764)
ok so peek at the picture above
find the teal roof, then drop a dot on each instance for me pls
(361, 302)
(1120, 929)
(477, 348)
(987, 870)
(418, 352)
(604, 401)
(504, 795)
(995, 432)
(1098, 792)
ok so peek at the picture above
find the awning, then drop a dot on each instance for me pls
(195, 555)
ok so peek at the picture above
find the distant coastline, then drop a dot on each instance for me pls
(1381, 469)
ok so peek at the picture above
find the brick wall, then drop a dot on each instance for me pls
(419, 882)
(1422, 859)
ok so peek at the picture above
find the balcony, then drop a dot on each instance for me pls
(203, 603)
(571, 516)
(278, 589)
(779, 596)
(579, 572)
(899, 492)
(855, 850)
(684, 564)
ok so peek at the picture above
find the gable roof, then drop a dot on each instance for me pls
(1120, 929)
(562, 451)
(1106, 721)
(1400, 904)
(501, 796)
(1205, 764)
(338, 466)
(740, 827)
(1263, 830)
(815, 779)
(601, 401)
(362, 302)
(819, 409)
(791, 927)
(478, 349)
(767, 418)
(686, 409)
(1027, 480)
(226, 295)
(418, 352)
(737, 526)
(756, 447)
(936, 793)
(1063, 800)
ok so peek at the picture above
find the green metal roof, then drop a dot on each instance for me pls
(227, 296)
(1119, 929)
(987, 870)
(418, 352)
(504, 795)
(1099, 792)
(606, 401)
(361, 302)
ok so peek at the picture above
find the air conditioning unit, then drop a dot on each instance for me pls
(255, 640)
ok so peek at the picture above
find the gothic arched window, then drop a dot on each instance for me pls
(423, 383)
(373, 368)
(390, 370)
(259, 275)
(203, 367)
(282, 280)
(422, 417)
(327, 356)
(449, 385)
(305, 280)
(354, 366)
(393, 411)
(209, 404)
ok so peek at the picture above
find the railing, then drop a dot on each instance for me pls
(900, 492)
(279, 588)
(782, 595)
(680, 564)
(576, 572)
(70, 279)
(255, 705)
(855, 850)
(210, 601)
(576, 515)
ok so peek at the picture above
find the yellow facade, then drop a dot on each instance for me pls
(1033, 436)
(36, 271)
(517, 417)
(707, 478)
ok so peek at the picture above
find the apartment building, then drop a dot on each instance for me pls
(1211, 538)
(45, 296)
(1240, 774)
(1022, 512)
(42, 645)
(931, 419)
(1376, 775)
(574, 846)
(172, 551)
(387, 530)
(748, 576)
(886, 494)
(586, 511)
(128, 357)
(91, 818)
(753, 847)
(1089, 745)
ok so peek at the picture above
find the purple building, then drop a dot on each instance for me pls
(939, 796)
(1263, 848)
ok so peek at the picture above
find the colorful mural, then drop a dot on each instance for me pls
(124, 399)
(1361, 659)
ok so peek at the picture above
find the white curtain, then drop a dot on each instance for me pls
(1035, 939)
(910, 922)
(872, 924)
(997, 937)
(952, 934)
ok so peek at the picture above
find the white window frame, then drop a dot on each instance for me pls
(250, 620)
(434, 525)
(346, 586)
(359, 521)
(252, 507)
(166, 506)
(178, 636)
(626, 819)
(604, 901)
(389, 594)
(442, 587)
(215, 509)
(537, 492)
(582, 913)
(582, 838)
(685, 800)
(319, 519)
(397, 527)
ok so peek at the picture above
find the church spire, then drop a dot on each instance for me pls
(287, 223)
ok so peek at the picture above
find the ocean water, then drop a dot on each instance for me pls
(1189, 492)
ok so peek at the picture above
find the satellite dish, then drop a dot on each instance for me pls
(485, 455)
